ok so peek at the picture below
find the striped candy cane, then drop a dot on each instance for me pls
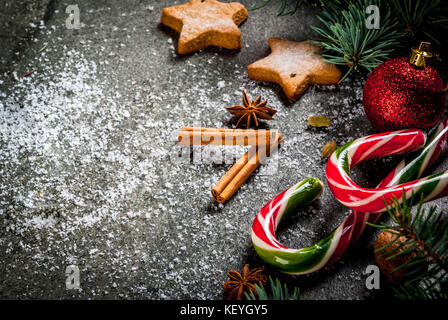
(374, 199)
(409, 169)
(331, 248)
(263, 230)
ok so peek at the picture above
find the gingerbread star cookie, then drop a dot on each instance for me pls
(294, 66)
(203, 23)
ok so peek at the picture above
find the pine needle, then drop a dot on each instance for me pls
(278, 292)
(426, 245)
(346, 40)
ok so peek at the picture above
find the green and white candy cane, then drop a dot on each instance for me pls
(331, 248)
(374, 200)
(266, 245)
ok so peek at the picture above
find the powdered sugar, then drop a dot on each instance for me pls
(89, 170)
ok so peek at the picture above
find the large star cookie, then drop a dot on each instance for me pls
(294, 66)
(202, 23)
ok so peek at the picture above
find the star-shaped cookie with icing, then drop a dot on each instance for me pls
(294, 66)
(203, 23)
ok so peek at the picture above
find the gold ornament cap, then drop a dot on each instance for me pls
(420, 56)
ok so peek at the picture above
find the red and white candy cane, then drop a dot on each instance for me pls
(375, 199)
(409, 169)
(331, 248)
(293, 261)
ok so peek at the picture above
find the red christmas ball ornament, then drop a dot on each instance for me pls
(405, 93)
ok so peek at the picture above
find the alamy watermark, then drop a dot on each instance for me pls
(373, 277)
(373, 20)
(73, 20)
(72, 281)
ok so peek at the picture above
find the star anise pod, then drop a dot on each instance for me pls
(251, 110)
(243, 282)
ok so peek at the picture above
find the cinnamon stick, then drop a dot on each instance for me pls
(211, 136)
(233, 181)
(225, 180)
(185, 128)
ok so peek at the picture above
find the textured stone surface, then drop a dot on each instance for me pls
(87, 168)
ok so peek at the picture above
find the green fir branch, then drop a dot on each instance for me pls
(278, 292)
(426, 246)
(286, 7)
(423, 19)
(343, 35)
(346, 40)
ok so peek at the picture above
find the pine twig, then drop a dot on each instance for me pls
(279, 292)
(422, 19)
(286, 7)
(346, 40)
(426, 245)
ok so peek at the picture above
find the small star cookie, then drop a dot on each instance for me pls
(202, 23)
(294, 66)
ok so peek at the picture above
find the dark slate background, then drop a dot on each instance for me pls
(88, 175)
